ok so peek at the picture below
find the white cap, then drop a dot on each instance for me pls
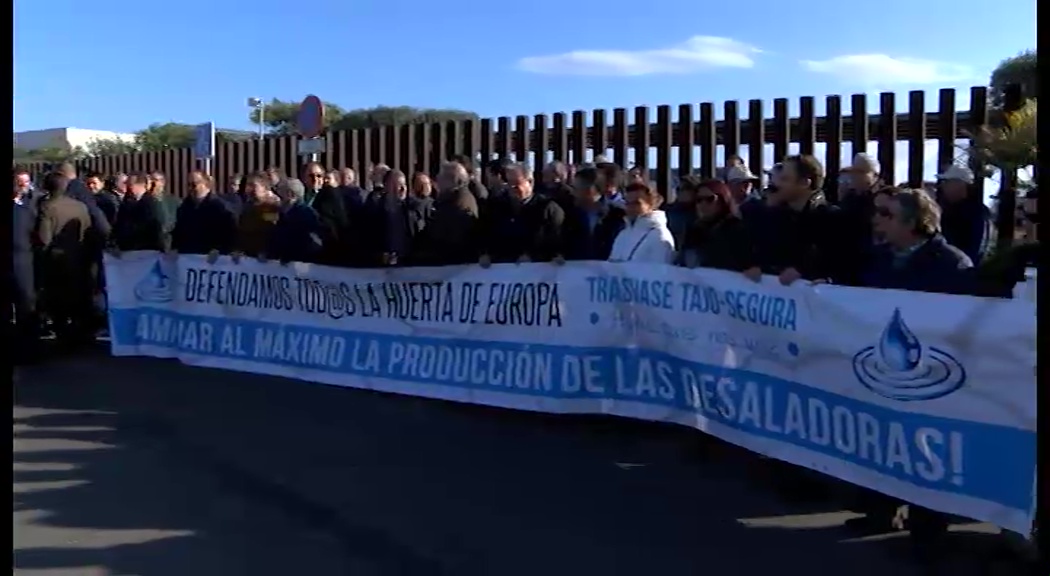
(740, 174)
(956, 172)
(864, 163)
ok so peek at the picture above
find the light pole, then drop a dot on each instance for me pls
(258, 104)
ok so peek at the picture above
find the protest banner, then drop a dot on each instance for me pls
(926, 397)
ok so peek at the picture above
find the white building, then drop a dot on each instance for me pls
(64, 138)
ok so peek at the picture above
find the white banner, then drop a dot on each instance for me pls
(926, 397)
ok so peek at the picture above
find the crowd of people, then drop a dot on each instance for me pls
(874, 235)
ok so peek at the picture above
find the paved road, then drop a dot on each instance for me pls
(150, 468)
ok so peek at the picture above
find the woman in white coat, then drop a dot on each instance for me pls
(645, 237)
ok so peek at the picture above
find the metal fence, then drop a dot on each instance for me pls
(631, 137)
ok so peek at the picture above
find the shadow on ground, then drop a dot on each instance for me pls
(146, 467)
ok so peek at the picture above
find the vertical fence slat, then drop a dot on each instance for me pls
(756, 135)
(471, 144)
(621, 136)
(407, 142)
(707, 139)
(521, 138)
(455, 138)
(364, 155)
(686, 137)
(393, 149)
(664, 143)
(946, 128)
(599, 131)
(578, 136)
(832, 146)
(560, 137)
(888, 137)
(781, 129)
(978, 118)
(438, 140)
(503, 138)
(486, 144)
(731, 129)
(916, 136)
(642, 137)
(541, 143)
(421, 147)
(807, 125)
(858, 116)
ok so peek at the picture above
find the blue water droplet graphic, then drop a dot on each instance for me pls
(899, 347)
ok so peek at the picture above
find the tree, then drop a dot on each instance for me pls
(51, 154)
(280, 116)
(110, 147)
(166, 136)
(172, 135)
(1020, 69)
(395, 115)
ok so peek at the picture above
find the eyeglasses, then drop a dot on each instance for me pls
(706, 199)
(884, 212)
(317, 175)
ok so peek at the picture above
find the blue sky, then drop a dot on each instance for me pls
(121, 65)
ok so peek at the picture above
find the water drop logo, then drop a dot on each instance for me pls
(156, 286)
(899, 367)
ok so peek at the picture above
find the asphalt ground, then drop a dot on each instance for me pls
(147, 467)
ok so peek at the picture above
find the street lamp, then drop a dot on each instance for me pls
(258, 104)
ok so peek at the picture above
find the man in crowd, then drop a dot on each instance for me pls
(454, 233)
(204, 224)
(592, 222)
(112, 195)
(63, 231)
(556, 185)
(799, 238)
(23, 287)
(140, 223)
(299, 235)
(522, 226)
(169, 204)
(966, 220)
(478, 189)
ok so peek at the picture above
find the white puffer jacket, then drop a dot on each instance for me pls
(647, 239)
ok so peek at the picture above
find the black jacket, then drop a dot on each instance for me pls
(298, 236)
(966, 224)
(335, 212)
(936, 266)
(584, 243)
(416, 214)
(203, 225)
(531, 228)
(140, 225)
(809, 240)
(109, 203)
(454, 233)
(725, 244)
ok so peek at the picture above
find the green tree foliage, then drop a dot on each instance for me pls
(110, 147)
(1020, 69)
(280, 116)
(51, 154)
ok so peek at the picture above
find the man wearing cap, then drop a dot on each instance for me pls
(965, 220)
(742, 183)
(858, 185)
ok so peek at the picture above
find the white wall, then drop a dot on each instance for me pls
(66, 138)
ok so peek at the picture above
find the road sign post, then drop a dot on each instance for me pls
(310, 124)
(204, 145)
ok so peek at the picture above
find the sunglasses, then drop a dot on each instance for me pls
(1032, 217)
(317, 175)
(884, 212)
(706, 199)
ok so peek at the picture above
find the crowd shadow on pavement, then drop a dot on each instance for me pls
(151, 468)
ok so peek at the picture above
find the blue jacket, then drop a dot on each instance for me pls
(935, 266)
(298, 236)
